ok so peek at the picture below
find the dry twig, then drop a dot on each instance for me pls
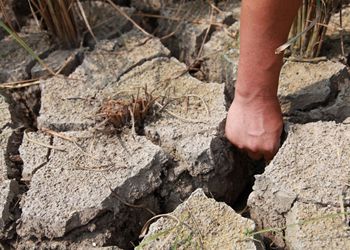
(177, 116)
(26, 136)
(117, 8)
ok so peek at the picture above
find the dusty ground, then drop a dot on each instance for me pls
(73, 177)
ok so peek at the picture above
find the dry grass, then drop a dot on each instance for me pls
(310, 26)
(64, 18)
(6, 14)
(60, 18)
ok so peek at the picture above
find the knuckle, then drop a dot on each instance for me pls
(270, 147)
(237, 144)
(253, 147)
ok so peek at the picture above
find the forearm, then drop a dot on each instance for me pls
(265, 26)
(254, 121)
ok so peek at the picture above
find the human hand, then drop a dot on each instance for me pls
(255, 126)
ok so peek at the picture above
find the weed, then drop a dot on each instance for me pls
(309, 28)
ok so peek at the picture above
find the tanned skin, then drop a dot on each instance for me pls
(254, 122)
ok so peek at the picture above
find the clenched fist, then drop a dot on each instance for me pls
(255, 126)
(254, 122)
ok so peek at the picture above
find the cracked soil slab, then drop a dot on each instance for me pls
(312, 167)
(200, 223)
(79, 180)
(304, 86)
(72, 103)
(15, 61)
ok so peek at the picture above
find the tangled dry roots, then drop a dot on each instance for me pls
(118, 113)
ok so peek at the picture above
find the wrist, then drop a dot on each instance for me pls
(255, 96)
(259, 82)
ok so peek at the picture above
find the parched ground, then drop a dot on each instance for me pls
(128, 140)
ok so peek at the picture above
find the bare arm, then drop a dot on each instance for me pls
(254, 121)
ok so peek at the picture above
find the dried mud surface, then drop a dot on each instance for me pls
(73, 177)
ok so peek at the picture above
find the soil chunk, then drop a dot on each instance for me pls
(303, 185)
(200, 222)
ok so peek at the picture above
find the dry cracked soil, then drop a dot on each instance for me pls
(125, 147)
